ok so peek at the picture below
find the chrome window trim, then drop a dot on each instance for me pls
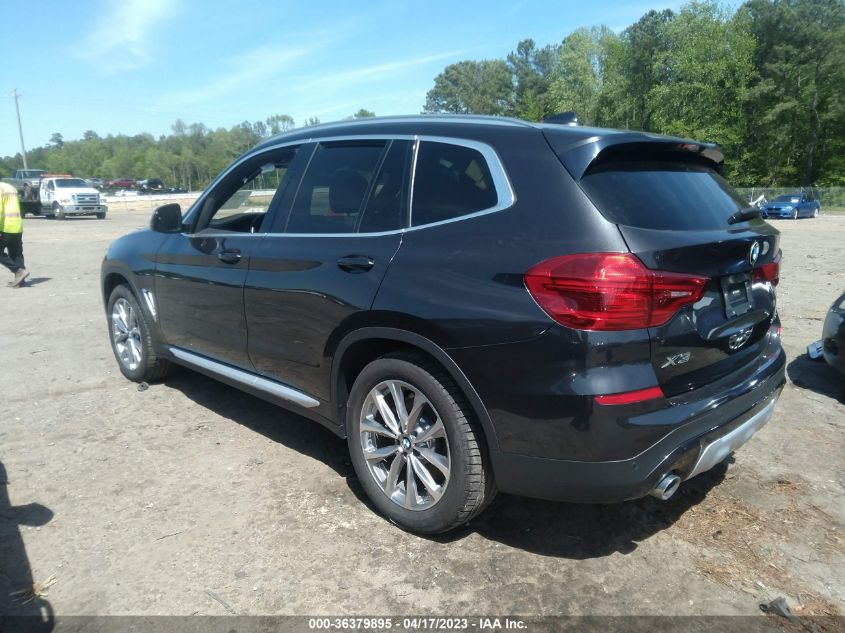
(506, 197)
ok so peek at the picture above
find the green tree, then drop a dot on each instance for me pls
(795, 110)
(279, 123)
(531, 70)
(363, 114)
(470, 87)
(577, 79)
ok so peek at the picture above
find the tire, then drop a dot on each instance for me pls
(795, 214)
(100, 216)
(451, 478)
(58, 213)
(131, 339)
(816, 212)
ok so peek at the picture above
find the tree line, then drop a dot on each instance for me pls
(190, 156)
(765, 82)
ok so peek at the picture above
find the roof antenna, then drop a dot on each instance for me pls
(563, 118)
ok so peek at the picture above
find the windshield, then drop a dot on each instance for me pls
(32, 173)
(788, 199)
(662, 195)
(65, 183)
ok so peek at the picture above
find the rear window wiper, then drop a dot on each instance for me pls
(745, 214)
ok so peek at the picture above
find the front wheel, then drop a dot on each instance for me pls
(101, 216)
(816, 212)
(58, 212)
(415, 445)
(131, 338)
(795, 214)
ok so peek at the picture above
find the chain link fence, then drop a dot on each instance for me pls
(830, 197)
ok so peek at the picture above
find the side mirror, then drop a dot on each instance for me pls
(167, 219)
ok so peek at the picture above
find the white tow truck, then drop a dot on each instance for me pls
(62, 195)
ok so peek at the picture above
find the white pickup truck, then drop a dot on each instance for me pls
(62, 196)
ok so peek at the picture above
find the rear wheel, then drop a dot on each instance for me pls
(132, 340)
(415, 445)
(816, 212)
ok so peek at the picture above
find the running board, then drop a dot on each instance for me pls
(245, 378)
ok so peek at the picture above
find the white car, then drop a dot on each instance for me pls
(64, 196)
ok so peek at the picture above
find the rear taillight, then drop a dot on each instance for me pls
(768, 272)
(609, 291)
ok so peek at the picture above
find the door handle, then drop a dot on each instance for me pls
(355, 263)
(230, 256)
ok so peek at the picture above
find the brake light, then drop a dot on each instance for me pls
(630, 397)
(609, 291)
(768, 272)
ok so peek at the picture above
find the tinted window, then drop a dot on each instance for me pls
(385, 208)
(334, 187)
(242, 200)
(658, 195)
(450, 181)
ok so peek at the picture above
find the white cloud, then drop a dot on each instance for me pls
(123, 37)
(246, 69)
(369, 73)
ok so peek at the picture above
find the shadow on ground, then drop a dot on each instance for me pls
(566, 530)
(34, 281)
(20, 609)
(817, 376)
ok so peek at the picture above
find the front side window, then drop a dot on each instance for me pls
(334, 188)
(241, 201)
(450, 181)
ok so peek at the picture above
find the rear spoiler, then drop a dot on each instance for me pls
(578, 154)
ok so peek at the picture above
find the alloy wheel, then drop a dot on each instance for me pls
(405, 445)
(126, 334)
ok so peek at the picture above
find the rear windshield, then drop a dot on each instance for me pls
(662, 195)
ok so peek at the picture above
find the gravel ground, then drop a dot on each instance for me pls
(193, 498)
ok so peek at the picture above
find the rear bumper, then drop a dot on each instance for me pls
(718, 427)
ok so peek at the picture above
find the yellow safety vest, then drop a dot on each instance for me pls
(10, 210)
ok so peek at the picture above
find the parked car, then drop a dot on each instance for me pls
(475, 303)
(150, 185)
(833, 335)
(97, 183)
(795, 205)
(121, 183)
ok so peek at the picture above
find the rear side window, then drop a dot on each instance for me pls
(333, 190)
(662, 195)
(388, 202)
(450, 181)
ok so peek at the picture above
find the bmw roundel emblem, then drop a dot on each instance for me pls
(754, 253)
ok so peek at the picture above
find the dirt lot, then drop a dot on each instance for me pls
(192, 498)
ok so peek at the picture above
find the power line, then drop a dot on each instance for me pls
(15, 95)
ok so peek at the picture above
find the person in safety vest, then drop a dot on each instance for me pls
(11, 234)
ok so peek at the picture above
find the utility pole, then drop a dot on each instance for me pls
(20, 129)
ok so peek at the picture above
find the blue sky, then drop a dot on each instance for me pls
(131, 66)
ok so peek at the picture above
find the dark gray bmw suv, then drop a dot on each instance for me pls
(475, 303)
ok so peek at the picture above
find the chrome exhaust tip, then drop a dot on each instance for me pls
(666, 487)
